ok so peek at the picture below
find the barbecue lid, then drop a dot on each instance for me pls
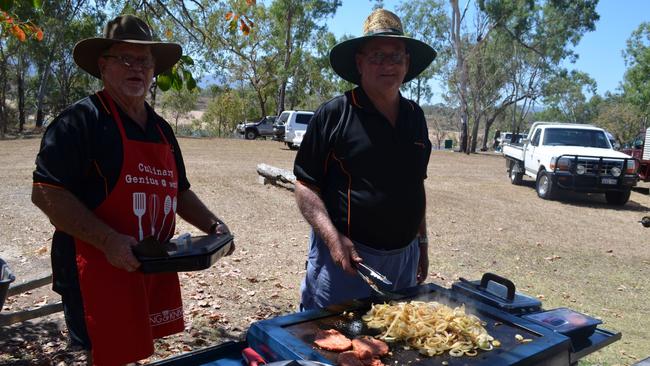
(499, 292)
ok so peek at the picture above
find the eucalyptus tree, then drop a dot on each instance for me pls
(250, 57)
(16, 21)
(313, 81)
(295, 26)
(637, 59)
(458, 77)
(66, 22)
(541, 31)
(427, 21)
(564, 96)
(619, 116)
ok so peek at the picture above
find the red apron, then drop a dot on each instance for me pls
(124, 311)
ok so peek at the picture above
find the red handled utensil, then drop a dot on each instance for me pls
(251, 357)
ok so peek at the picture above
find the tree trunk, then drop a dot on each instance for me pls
(486, 131)
(3, 93)
(287, 61)
(461, 72)
(20, 84)
(45, 75)
(477, 121)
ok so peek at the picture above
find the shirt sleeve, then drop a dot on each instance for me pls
(64, 153)
(309, 166)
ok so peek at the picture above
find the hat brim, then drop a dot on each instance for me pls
(86, 53)
(342, 57)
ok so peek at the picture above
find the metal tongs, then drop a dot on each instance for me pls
(370, 275)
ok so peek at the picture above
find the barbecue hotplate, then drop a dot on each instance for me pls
(292, 336)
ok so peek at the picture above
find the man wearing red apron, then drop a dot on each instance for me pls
(110, 173)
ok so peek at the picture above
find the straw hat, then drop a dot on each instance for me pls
(380, 23)
(125, 29)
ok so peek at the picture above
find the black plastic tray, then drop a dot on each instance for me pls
(198, 254)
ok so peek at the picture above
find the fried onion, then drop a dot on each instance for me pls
(431, 327)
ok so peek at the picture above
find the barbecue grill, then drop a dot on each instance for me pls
(505, 312)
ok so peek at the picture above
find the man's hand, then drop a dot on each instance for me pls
(221, 229)
(423, 264)
(119, 253)
(344, 254)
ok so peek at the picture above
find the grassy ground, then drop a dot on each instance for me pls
(576, 252)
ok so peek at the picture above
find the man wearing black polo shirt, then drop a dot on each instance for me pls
(110, 173)
(361, 167)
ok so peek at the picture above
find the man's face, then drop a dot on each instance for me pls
(127, 69)
(382, 63)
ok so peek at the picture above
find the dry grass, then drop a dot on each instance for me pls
(577, 252)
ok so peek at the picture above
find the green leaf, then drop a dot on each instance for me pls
(164, 81)
(187, 75)
(190, 83)
(6, 4)
(38, 4)
(187, 60)
(177, 82)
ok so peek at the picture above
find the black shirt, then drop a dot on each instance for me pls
(81, 151)
(370, 174)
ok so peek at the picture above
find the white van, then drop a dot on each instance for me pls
(295, 125)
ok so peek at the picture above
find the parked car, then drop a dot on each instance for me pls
(640, 150)
(507, 136)
(262, 128)
(278, 131)
(574, 157)
(295, 124)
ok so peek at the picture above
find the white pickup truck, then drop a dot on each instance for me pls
(573, 157)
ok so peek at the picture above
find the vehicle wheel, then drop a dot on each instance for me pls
(545, 188)
(515, 177)
(617, 198)
(250, 135)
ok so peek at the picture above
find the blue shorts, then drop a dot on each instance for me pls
(326, 283)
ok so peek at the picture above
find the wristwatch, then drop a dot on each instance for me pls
(423, 240)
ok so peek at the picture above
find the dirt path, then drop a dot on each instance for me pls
(577, 252)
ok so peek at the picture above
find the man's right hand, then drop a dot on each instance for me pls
(117, 249)
(344, 254)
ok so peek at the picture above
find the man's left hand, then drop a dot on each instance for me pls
(220, 229)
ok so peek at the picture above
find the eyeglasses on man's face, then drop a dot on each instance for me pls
(392, 58)
(131, 62)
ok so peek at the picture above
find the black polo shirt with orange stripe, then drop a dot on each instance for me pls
(369, 174)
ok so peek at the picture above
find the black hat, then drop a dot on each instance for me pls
(380, 23)
(125, 29)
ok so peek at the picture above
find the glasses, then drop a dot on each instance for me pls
(131, 62)
(378, 58)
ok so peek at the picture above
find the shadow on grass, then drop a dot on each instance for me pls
(37, 343)
(592, 200)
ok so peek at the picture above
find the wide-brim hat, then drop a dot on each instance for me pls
(380, 23)
(125, 29)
